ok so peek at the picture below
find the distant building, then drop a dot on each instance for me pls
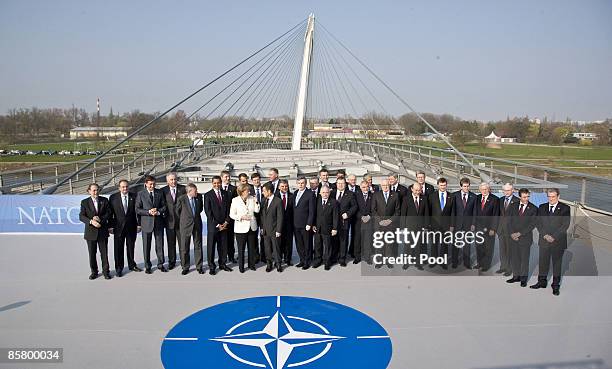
(493, 138)
(93, 132)
(585, 136)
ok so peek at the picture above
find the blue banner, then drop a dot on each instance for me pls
(40, 214)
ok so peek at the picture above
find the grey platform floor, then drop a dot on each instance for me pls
(46, 300)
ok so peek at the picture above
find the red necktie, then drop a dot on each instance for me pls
(416, 203)
(284, 202)
(482, 204)
(522, 210)
(464, 200)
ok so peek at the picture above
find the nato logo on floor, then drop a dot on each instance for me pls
(277, 332)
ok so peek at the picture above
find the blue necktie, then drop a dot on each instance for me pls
(192, 203)
(442, 200)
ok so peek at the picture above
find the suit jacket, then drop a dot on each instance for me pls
(503, 213)
(555, 224)
(88, 211)
(524, 224)
(272, 217)
(327, 216)
(364, 207)
(374, 188)
(304, 210)
(439, 218)
(188, 221)
(143, 204)
(216, 213)
(287, 212)
(346, 204)
(276, 190)
(488, 217)
(121, 221)
(260, 200)
(332, 186)
(384, 211)
(238, 208)
(231, 190)
(171, 203)
(463, 216)
(413, 218)
(402, 190)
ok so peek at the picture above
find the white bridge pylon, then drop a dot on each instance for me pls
(300, 111)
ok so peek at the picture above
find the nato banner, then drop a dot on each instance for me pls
(40, 214)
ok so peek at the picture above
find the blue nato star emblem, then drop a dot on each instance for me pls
(273, 345)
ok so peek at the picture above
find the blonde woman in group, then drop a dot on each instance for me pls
(242, 211)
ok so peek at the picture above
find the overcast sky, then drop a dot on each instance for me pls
(474, 59)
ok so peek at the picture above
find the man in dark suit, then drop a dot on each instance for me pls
(124, 226)
(326, 226)
(395, 186)
(414, 214)
(314, 186)
(272, 225)
(95, 213)
(324, 180)
(363, 224)
(151, 206)
(553, 222)
(371, 186)
(216, 207)
(426, 188)
(386, 210)
(230, 189)
(353, 186)
(257, 192)
(286, 241)
(172, 191)
(486, 219)
(462, 221)
(347, 208)
(505, 203)
(188, 210)
(303, 219)
(274, 180)
(521, 220)
(440, 205)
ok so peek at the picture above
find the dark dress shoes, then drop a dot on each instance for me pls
(171, 266)
(279, 269)
(148, 271)
(405, 266)
(93, 276)
(537, 286)
(499, 271)
(212, 271)
(327, 267)
(185, 272)
(513, 280)
(162, 269)
(252, 268)
(305, 266)
(241, 269)
(119, 273)
(556, 291)
(356, 261)
(269, 268)
(343, 264)
(523, 283)
(200, 271)
(107, 276)
(507, 273)
(316, 265)
(299, 265)
(135, 269)
(225, 268)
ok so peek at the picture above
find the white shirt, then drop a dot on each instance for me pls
(298, 196)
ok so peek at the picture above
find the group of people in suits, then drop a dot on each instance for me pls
(330, 223)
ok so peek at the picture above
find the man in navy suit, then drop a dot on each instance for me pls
(95, 213)
(486, 219)
(286, 239)
(522, 217)
(414, 212)
(151, 206)
(124, 226)
(303, 219)
(230, 189)
(216, 207)
(463, 220)
(440, 205)
(172, 191)
(553, 222)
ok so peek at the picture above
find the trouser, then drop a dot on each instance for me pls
(363, 241)
(93, 246)
(247, 241)
(484, 251)
(466, 252)
(353, 235)
(159, 247)
(505, 251)
(125, 240)
(262, 247)
(342, 241)
(548, 253)
(286, 244)
(303, 244)
(216, 238)
(229, 238)
(172, 238)
(273, 252)
(520, 259)
(184, 244)
(323, 249)
(438, 247)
